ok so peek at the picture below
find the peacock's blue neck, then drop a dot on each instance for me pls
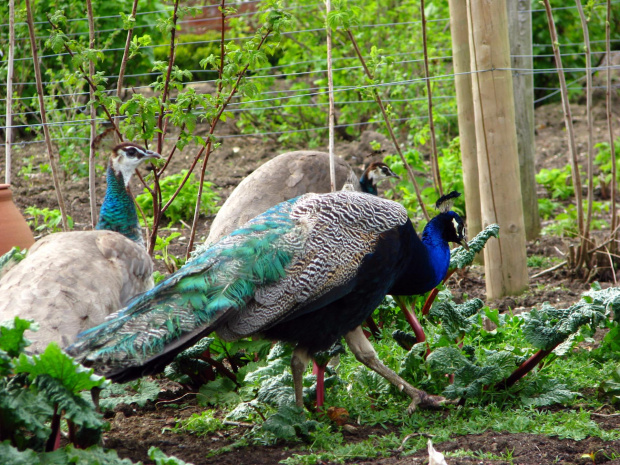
(367, 185)
(428, 259)
(118, 212)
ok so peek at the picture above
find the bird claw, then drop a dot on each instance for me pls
(428, 401)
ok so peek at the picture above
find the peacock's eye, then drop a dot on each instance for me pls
(131, 152)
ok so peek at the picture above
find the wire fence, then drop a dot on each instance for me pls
(67, 102)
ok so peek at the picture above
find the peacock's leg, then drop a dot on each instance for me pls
(299, 362)
(365, 353)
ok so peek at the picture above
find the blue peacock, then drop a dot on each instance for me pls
(59, 283)
(307, 271)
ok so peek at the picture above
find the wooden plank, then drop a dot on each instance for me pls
(496, 140)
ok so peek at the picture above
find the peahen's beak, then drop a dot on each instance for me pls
(392, 174)
(151, 154)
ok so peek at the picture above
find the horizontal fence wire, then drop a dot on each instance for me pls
(284, 99)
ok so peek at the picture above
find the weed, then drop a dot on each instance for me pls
(46, 220)
(183, 206)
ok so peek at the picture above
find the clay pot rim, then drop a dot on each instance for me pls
(4, 186)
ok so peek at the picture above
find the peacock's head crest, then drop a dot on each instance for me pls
(454, 229)
(126, 157)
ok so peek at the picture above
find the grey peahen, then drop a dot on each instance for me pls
(286, 176)
(72, 281)
(307, 271)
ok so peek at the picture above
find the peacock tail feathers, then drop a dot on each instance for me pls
(275, 266)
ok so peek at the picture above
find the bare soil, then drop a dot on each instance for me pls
(134, 430)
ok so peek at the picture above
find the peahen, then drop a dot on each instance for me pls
(307, 271)
(286, 176)
(72, 281)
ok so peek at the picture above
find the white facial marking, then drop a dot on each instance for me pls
(126, 165)
(456, 226)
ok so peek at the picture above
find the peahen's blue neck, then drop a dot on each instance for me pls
(429, 259)
(118, 212)
(367, 185)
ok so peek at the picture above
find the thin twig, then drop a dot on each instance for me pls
(429, 96)
(125, 59)
(92, 175)
(92, 85)
(588, 56)
(209, 145)
(46, 131)
(9, 95)
(389, 127)
(568, 121)
(164, 94)
(549, 270)
(612, 148)
(611, 264)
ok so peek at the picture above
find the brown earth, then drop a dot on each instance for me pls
(134, 430)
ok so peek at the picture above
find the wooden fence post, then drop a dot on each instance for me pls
(520, 33)
(465, 104)
(496, 140)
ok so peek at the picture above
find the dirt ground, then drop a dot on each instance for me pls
(134, 430)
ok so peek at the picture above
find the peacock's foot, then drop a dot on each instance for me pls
(421, 399)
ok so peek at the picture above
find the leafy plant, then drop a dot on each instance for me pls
(46, 220)
(171, 262)
(183, 206)
(557, 182)
(37, 391)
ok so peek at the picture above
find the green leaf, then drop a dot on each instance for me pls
(137, 392)
(461, 257)
(12, 339)
(162, 459)
(58, 365)
(13, 456)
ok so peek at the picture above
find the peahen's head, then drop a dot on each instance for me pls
(127, 156)
(375, 172)
(118, 212)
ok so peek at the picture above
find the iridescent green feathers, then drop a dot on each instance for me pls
(222, 278)
(274, 267)
(118, 212)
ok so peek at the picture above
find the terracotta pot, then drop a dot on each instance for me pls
(14, 231)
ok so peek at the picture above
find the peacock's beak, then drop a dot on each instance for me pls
(393, 175)
(463, 243)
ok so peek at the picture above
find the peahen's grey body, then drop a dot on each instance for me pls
(72, 281)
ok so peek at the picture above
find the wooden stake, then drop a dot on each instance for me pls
(92, 175)
(330, 88)
(520, 33)
(588, 55)
(465, 103)
(500, 190)
(46, 131)
(429, 97)
(612, 148)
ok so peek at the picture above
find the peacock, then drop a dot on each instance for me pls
(307, 271)
(290, 175)
(286, 176)
(72, 281)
